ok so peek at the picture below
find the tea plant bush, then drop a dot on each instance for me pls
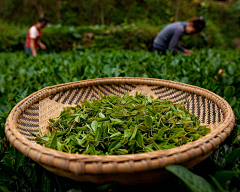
(21, 75)
(135, 36)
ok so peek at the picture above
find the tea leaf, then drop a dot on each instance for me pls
(115, 135)
(134, 132)
(59, 146)
(101, 115)
(193, 182)
(94, 125)
(52, 142)
(148, 121)
(224, 176)
(98, 134)
(19, 160)
(139, 107)
(139, 139)
(114, 145)
(77, 119)
(233, 156)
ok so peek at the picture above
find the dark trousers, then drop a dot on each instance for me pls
(27, 50)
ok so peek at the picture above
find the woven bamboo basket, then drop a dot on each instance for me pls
(35, 110)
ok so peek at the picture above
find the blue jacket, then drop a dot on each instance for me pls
(167, 39)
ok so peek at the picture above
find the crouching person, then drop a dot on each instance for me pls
(168, 38)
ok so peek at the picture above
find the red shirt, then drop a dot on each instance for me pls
(33, 33)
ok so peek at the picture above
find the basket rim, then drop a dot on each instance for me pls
(27, 147)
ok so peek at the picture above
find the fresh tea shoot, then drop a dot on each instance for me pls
(114, 125)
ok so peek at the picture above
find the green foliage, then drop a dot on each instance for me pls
(21, 75)
(122, 125)
(211, 36)
(134, 36)
(85, 12)
(193, 182)
(226, 17)
(222, 21)
(12, 37)
(61, 38)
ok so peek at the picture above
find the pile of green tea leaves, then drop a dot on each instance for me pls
(114, 125)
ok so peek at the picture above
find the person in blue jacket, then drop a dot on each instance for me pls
(167, 39)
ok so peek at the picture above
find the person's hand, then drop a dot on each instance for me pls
(34, 51)
(42, 46)
(187, 52)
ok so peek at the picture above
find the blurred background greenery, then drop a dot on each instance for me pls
(116, 25)
(76, 24)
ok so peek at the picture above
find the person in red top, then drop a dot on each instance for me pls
(33, 37)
